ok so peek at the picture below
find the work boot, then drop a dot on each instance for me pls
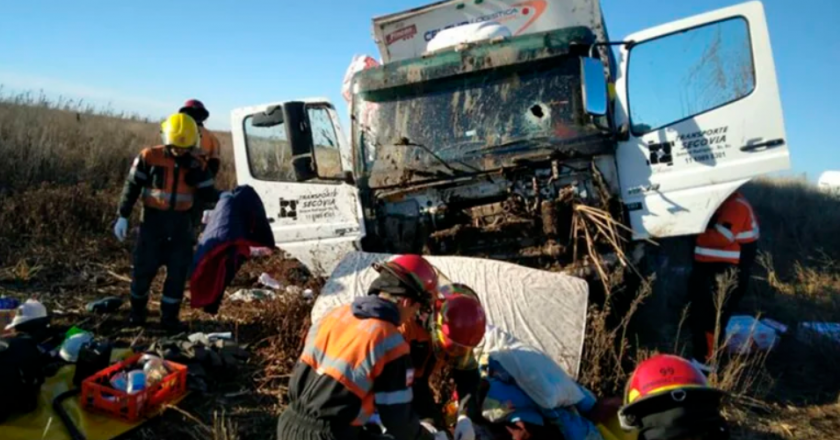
(173, 327)
(137, 316)
(169, 317)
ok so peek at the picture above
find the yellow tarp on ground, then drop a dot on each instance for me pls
(611, 430)
(45, 424)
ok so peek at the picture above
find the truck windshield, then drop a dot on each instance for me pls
(480, 120)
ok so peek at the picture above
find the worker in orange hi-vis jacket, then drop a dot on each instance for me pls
(209, 150)
(355, 365)
(170, 180)
(729, 243)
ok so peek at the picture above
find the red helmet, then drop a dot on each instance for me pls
(196, 109)
(662, 374)
(460, 322)
(667, 394)
(420, 269)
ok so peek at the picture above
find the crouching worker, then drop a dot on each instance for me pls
(668, 398)
(171, 179)
(356, 362)
(444, 334)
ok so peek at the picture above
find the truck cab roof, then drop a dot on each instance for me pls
(476, 57)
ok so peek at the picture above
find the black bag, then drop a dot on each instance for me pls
(21, 375)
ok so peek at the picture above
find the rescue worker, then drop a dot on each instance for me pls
(729, 243)
(209, 150)
(210, 145)
(355, 362)
(668, 398)
(170, 179)
(443, 334)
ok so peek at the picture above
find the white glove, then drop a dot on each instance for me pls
(439, 435)
(464, 429)
(205, 217)
(121, 228)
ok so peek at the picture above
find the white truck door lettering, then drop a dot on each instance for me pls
(701, 107)
(317, 222)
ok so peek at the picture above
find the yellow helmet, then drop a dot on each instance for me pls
(179, 130)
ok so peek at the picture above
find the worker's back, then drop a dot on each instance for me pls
(335, 384)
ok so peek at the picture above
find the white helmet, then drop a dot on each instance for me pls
(73, 345)
(30, 310)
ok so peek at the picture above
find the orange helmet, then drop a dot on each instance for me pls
(667, 395)
(460, 321)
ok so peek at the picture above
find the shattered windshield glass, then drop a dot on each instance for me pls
(477, 120)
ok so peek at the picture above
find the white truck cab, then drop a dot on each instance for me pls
(689, 113)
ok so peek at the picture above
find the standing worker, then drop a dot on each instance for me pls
(210, 144)
(171, 180)
(356, 362)
(445, 336)
(730, 242)
(209, 150)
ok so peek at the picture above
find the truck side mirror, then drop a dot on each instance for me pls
(594, 86)
(299, 135)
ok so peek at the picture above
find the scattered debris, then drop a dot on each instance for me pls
(250, 295)
(105, 305)
(209, 338)
(208, 360)
(745, 334)
(775, 325)
(260, 252)
(830, 330)
(267, 281)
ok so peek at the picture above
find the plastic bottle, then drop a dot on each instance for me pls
(136, 381)
(120, 381)
(136, 384)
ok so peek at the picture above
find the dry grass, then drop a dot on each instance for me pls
(68, 142)
(64, 165)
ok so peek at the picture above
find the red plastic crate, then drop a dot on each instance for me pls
(98, 395)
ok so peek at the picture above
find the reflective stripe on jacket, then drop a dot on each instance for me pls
(354, 352)
(169, 182)
(733, 224)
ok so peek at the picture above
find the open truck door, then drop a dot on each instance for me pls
(699, 114)
(296, 157)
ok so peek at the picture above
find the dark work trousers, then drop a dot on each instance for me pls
(166, 239)
(703, 291)
(293, 426)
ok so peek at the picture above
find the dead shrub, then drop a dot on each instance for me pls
(608, 355)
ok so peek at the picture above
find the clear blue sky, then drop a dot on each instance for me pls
(150, 56)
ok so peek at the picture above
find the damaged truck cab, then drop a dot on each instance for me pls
(485, 148)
